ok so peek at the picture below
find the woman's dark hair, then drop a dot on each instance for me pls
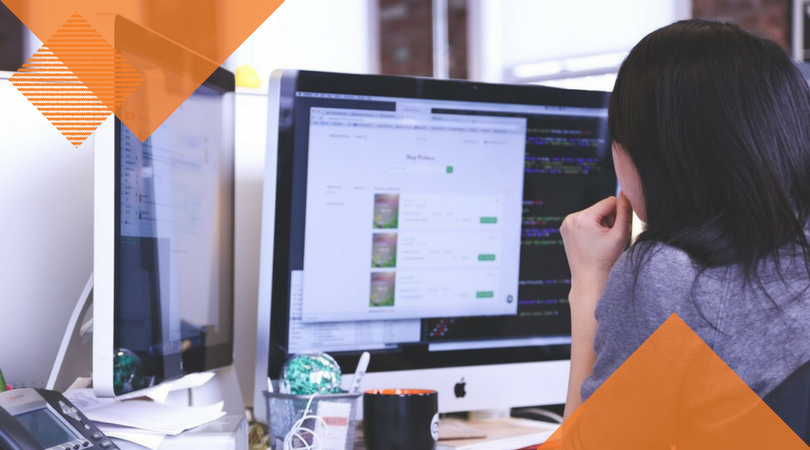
(717, 123)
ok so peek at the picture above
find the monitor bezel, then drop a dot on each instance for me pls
(219, 355)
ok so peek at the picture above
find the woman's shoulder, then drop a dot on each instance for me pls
(650, 282)
(731, 315)
(658, 268)
(654, 265)
(645, 287)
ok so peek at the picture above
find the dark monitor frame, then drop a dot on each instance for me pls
(291, 184)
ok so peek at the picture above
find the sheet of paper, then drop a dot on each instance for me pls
(156, 417)
(160, 392)
(81, 383)
(145, 438)
(86, 400)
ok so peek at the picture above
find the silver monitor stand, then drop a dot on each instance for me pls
(74, 364)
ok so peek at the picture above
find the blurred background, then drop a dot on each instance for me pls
(571, 43)
(46, 185)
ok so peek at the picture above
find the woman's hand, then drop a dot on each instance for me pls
(594, 239)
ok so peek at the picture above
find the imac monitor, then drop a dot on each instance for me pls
(418, 220)
(163, 263)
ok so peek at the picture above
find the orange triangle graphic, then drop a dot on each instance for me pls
(674, 393)
(174, 45)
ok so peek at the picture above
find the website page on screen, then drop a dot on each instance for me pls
(169, 248)
(411, 215)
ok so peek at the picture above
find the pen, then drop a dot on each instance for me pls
(362, 365)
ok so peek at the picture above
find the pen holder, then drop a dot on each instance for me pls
(336, 410)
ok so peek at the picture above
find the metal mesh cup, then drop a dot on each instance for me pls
(336, 410)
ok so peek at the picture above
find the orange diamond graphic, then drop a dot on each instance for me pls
(76, 107)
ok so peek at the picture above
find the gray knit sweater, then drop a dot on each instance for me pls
(762, 340)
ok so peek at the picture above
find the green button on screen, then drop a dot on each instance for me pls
(489, 220)
(484, 294)
(486, 257)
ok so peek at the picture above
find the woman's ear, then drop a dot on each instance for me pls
(629, 180)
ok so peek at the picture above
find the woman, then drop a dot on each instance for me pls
(711, 129)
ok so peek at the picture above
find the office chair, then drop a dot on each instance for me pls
(791, 401)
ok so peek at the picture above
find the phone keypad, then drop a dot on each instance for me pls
(72, 445)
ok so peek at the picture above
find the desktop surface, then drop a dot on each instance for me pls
(500, 434)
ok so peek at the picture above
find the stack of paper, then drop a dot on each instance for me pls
(146, 421)
(145, 438)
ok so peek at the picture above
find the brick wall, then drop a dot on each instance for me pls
(768, 18)
(406, 37)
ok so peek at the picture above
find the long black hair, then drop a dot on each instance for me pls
(717, 123)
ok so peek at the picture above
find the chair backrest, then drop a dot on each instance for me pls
(791, 401)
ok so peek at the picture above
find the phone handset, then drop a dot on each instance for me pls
(14, 436)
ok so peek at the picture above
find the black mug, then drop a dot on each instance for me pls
(401, 419)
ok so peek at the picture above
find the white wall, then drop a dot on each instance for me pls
(251, 126)
(504, 33)
(323, 35)
(46, 236)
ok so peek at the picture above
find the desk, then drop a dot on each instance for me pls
(505, 434)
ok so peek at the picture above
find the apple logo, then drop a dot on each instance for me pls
(459, 389)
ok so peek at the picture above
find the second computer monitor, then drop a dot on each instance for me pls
(163, 301)
(419, 220)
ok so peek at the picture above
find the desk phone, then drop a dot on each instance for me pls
(39, 419)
